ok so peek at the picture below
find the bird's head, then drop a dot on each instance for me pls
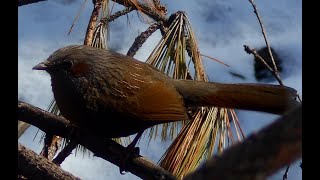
(65, 61)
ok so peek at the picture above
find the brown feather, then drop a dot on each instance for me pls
(258, 97)
(116, 95)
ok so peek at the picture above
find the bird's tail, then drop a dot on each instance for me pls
(257, 97)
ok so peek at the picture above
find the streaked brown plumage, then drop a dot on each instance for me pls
(116, 95)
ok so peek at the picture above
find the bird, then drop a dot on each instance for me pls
(114, 95)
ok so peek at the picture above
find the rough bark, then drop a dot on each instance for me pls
(34, 166)
(92, 23)
(155, 15)
(261, 154)
(104, 148)
(51, 146)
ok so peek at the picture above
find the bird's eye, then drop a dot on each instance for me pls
(80, 68)
(67, 65)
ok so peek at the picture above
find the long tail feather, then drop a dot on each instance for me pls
(257, 97)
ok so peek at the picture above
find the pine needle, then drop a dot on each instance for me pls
(76, 18)
(209, 126)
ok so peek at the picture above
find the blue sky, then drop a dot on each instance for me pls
(221, 27)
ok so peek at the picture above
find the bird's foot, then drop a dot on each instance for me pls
(129, 154)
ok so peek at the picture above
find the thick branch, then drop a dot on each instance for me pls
(92, 23)
(44, 120)
(26, 2)
(146, 9)
(104, 148)
(261, 154)
(34, 166)
(22, 127)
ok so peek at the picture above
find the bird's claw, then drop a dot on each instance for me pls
(130, 153)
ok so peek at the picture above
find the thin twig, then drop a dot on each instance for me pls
(156, 3)
(214, 59)
(254, 52)
(141, 39)
(274, 70)
(160, 7)
(265, 36)
(66, 151)
(146, 9)
(116, 15)
(299, 98)
(99, 37)
(285, 176)
(77, 16)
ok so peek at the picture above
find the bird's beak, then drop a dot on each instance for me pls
(41, 66)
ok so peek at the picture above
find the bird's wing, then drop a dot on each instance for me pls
(146, 92)
(160, 102)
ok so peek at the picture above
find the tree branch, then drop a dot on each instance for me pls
(22, 127)
(51, 146)
(146, 9)
(104, 148)
(142, 38)
(34, 166)
(285, 175)
(255, 53)
(65, 152)
(261, 154)
(92, 23)
(26, 2)
(116, 15)
(264, 33)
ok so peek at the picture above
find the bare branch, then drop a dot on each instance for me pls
(146, 9)
(265, 37)
(76, 18)
(26, 2)
(254, 52)
(261, 154)
(44, 120)
(92, 23)
(141, 39)
(34, 166)
(104, 148)
(285, 175)
(116, 15)
(66, 151)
